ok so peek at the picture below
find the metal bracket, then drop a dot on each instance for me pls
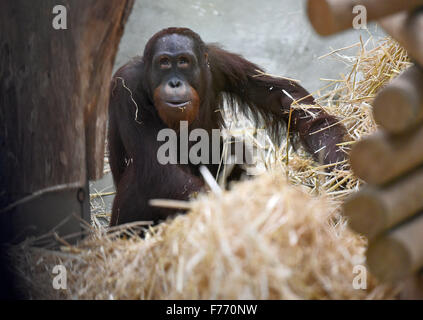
(58, 213)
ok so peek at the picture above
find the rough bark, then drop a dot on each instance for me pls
(54, 92)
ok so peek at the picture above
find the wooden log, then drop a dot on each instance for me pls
(374, 210)
(331, 16)
(398, 254)
(104, 30)
(412, 288)
(379, 158)
(54, 88)
(399, 106)
(407, 28)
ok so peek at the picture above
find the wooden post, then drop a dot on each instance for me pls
(331, 16)
(399, 106)
(380, 158)
(54, 90)
(373, 210)
(398, 254)
(406, 28)
(386, 157)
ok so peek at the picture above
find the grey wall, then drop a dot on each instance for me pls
(272, 33)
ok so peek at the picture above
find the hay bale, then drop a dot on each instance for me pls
(265, 239)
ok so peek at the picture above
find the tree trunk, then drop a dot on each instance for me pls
(54, 92)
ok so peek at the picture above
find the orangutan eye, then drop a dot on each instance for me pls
(164, 63)
(183, 62)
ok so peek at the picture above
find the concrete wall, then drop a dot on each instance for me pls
(272, 33)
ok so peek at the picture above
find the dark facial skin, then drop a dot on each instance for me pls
(175, 75)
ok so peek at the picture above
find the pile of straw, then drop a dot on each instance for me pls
(264, 239)
(350, 99)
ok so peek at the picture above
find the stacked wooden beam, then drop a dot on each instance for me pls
(389, 210)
